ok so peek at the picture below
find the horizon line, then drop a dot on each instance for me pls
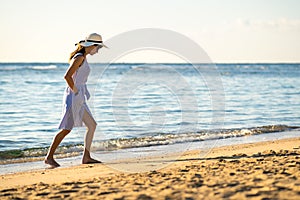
(234, 62)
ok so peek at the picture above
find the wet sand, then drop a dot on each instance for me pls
(249, 171)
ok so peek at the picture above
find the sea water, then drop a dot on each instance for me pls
(140, 105)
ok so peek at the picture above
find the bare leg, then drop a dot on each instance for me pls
(91, 127)
(56, 141)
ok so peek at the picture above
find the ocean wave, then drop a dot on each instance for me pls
(165, 139)
(49, 67)
(33, 154)
(9, 68)
(29, 66)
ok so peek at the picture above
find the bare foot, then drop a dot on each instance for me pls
(90, 161)
(51, 162)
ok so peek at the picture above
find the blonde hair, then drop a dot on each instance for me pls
(80, 49)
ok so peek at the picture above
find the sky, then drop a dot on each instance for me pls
(228, 30)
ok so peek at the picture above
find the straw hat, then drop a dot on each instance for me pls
(92, 39)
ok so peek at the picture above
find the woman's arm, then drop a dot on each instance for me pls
(72, 69)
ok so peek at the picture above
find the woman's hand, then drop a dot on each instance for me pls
(75, 90)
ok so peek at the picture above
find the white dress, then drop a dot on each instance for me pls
(75, 105)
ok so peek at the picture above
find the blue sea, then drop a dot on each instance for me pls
(140, 105)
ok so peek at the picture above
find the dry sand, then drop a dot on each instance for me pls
(265, 170)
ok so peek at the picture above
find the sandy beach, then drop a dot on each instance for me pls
(264, 170)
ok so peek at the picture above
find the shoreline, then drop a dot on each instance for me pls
(228, 171)
(177, 149)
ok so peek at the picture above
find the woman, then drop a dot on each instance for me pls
(75, 110)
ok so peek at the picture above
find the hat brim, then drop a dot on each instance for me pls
(87, 44)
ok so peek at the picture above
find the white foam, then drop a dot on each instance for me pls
(49, 67)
